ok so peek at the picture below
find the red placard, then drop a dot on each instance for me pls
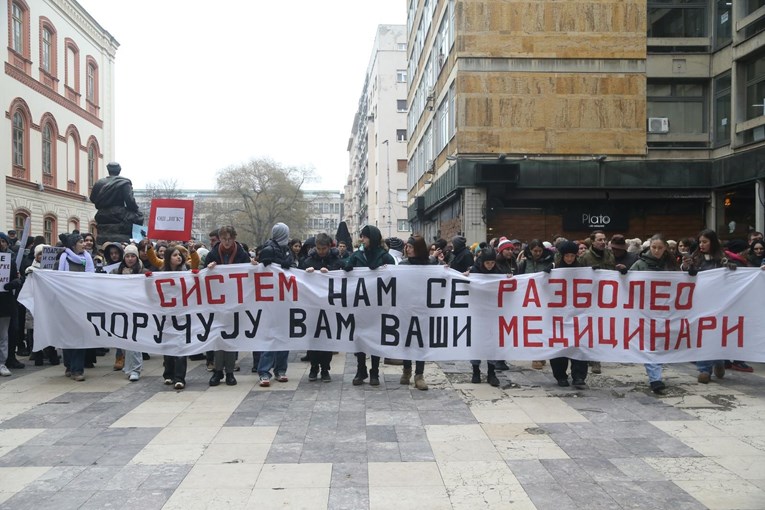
(170, 219)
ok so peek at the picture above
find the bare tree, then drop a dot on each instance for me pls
(261, 193)
(165, 188)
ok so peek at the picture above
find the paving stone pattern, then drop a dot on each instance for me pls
(109, 443)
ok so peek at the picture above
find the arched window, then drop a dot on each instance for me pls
(92, 166)
(72, 76)
(73, 159)
(49, 229)
(91, 92)
(74, 224)
(49, 133)
(19, 218)
(18, 36)
(48, 54)
(19, 139)
(20, 124)
(93, 229)
(47, 150)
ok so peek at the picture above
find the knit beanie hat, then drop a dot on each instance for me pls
(281, 234)
(504, 244)
(568, 247)
(70, 240)
(131, 249)
(5, 237)
(394, 243)
(458, 242)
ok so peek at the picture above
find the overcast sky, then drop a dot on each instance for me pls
(201, 86)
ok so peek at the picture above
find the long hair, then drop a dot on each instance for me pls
(715, 248)
(420, 247)
(166, 266)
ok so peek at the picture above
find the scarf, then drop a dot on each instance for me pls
(226, 254)
(84, 260)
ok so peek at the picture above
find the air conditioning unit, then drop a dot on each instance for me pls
(658, 125)
(430, 167)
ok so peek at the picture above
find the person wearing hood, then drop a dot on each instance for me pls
(75, 259)
(113, 253)
(227, 251)
(656, 257)
(462, 259)
(370, 254)
(321, 258)
(275, 251)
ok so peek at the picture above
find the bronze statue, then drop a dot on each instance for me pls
(117, 209)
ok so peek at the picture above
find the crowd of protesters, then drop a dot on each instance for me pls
(325, 253)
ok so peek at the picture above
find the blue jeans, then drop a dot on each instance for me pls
(74, 360)
(654, 371)
(133, 362)
(706, 366)
(273, 359)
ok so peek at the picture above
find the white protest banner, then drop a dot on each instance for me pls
(410, 312)
(5, 269)
(50, 255)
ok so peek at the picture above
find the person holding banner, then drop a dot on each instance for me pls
(29, 321)
(275, 251)
(415, 254)
(175, 366)
(656, 257)
(536, 258)
(10, 277)
(131, 361)
(370, 254)
(227, 251)
(708, 255)
(76, 259)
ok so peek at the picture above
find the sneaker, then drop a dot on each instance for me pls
(580, 384)
(282, 378)
(313, 375)
(325, 377)
(230, 379)
(595, 367)
(658, 386)
(134, 376)
(741, 366)
(704, 377)
(563, 383)
(265, 382)
(501, 366)
(179, 385)
(719, 371)
(4, 371)
(78, 377)
(168, 381)
(536, 364)
(211, 367)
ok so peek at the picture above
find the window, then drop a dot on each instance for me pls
(753, 5)
(677, 18)
(723, 23)
(46, 50)
(401, 135)
(17, 30)
(91, 88)
(401, 105)
(402, 225)
(401, 46)
(401, 75)
(19, 219)
(72, 76)
(401, 165)
(47, 150)
(19, 130)
(74, 224)
(49, 230)
(755, 87)
(682, 103)
(401, 195)
(18, 36)
(722, 109)
(92, 166)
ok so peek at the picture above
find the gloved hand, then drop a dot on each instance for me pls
(732, 266)
(266, 262)
(547, 269)
(347, 267)
(623, 270)
(693, 271)
(286, 264)
(373, 267)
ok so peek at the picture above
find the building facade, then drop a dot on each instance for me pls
(58, 127)
(376, 191)
(538, 118)
(325, 213)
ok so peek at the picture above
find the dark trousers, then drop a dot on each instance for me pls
(320, 359)
(175, 368)
(560, 365)
(419, 366)
(13, 331)
(361, 363)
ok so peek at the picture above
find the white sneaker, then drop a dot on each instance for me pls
(4, 371)
(134, 376)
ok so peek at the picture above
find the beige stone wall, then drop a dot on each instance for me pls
(552, 28)
(551, 113)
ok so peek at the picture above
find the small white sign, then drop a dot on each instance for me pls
(724, 121)
(50, 255)
(723, 18)
(170, 219)
(5, 270)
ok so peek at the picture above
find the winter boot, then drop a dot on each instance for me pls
(419, 382)
(406, 376)
(476, 374)
(374, 377)
(491, 377)
(216, 378)
(119, 362)
(52, 355)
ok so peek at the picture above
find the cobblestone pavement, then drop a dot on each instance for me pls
(110, 443)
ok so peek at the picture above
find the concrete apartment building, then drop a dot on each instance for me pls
(58, 127)
(376, 190)
(536, 118)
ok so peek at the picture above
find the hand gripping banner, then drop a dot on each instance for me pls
(408, 312)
